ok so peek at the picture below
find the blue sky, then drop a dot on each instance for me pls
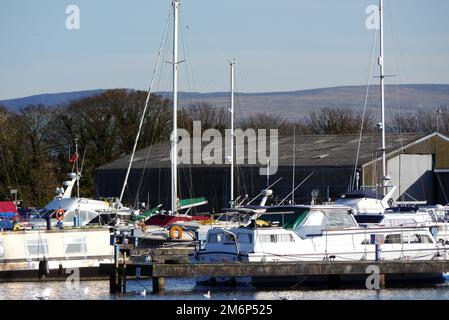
(279, 45)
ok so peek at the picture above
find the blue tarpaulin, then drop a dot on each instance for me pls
(5, 224)
(7, 215)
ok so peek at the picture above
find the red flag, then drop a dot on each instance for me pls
(73, 157)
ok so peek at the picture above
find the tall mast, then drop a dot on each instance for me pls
(77, 172)
(293, 166)
(231, 110)
(382, 91)
(174, 138)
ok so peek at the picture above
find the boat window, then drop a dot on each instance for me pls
(229, 238)
(393, 238)
(75, 245)
(265, 238)
(276, 238)
(36, 246)
(417, 238)
(398, 222)
(285, 238)
(245, 238)
(215, 237)
(315, 218)
(234, 217)
(412, 238)
(221, 237)
(426, 239)
(339, 219)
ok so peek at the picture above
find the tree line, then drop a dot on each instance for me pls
(37, 142)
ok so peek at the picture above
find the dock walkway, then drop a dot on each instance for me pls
(159, 271)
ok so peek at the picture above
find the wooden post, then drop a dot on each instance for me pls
(158, 284)
(114, 280)
(124, 271)
(382, 280)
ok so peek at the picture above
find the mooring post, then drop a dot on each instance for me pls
(158, 284)
(124, 271)
(111, 283)
(115, 281)
(382, 280)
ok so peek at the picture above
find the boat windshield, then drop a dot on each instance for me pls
(339, 219)
(234, 217)
(285, 217)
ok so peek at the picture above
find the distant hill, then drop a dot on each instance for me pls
(402, 98)
(290, 104)
(48, 99)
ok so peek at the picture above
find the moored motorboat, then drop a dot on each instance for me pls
(315, 233)
(27, 254)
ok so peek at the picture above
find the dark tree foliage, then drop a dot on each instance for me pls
(36, 143)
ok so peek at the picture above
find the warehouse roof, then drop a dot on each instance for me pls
(311, 150)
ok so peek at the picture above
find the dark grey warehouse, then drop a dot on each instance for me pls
(417, 164)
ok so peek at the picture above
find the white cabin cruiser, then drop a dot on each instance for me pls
(22, 253)
(432, 217)
(314, 233)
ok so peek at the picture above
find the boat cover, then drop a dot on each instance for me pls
(8, 209)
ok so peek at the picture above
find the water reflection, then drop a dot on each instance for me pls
(186, 289)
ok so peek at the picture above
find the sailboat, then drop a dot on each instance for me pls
(155, 223)
(369, 205)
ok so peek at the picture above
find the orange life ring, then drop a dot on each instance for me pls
(59, 214)
(172, 231)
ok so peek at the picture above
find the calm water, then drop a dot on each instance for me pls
(185, 289)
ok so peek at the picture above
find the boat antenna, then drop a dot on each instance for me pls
(231, 110)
